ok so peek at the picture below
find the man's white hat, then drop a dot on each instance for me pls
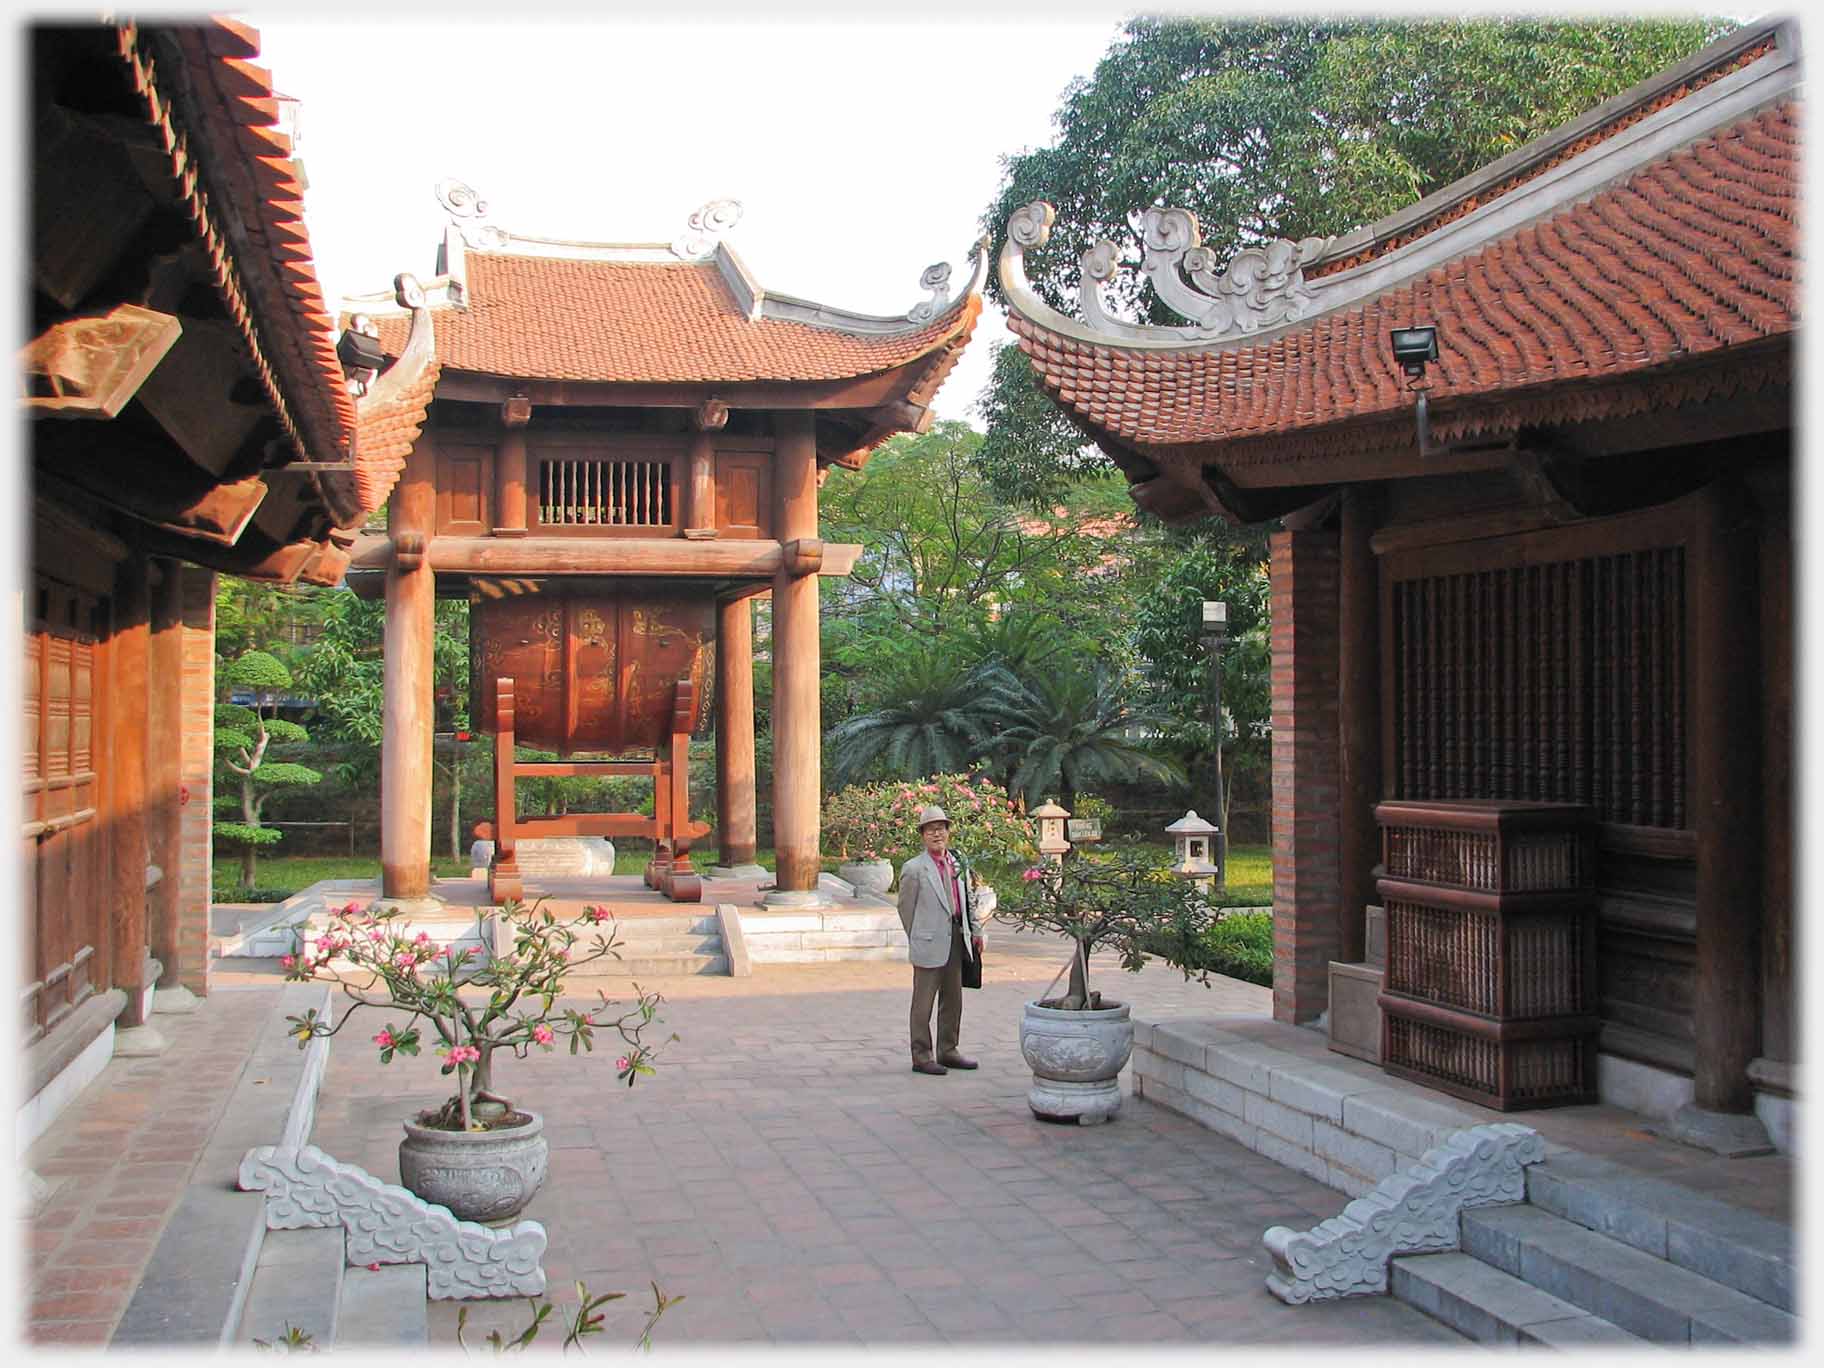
(932, 813)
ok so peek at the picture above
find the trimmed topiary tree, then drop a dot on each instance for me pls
(242, 739)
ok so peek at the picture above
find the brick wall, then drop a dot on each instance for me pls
(196, 861)
(1307, 893)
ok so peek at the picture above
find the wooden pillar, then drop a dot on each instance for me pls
(129, 652)
(511, 469)
(405, 747)
(1725, 790)
(164, 762)
(700, 511)
(736, 824)
(797, 665)
(1358, 718)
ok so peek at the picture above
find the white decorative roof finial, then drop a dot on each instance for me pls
(706, 227)
(467, 209)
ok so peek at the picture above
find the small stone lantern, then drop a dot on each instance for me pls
(1052, 842)
(1194, 839)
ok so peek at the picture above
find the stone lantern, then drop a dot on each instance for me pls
(1052, 842)
(1194, 839)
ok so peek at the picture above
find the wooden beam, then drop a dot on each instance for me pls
(797, 666)
(859, 393)
(164, 761)
(533, 557)
(148, 479)
(89, 367)
(736, 825)
(1358, 718)
(126, 741)
(405, 750)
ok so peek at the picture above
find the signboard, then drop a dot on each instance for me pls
(1078, 829)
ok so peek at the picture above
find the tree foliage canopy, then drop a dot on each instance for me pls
(1282, 128)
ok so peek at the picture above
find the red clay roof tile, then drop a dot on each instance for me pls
(1694, 254)
(558, 318)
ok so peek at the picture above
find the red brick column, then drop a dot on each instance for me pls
(1307, 793)
(195, 863)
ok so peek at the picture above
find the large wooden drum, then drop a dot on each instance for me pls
(592, 671)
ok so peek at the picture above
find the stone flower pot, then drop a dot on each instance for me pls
(868, 876)
(1076, 1060)
(479, 1175)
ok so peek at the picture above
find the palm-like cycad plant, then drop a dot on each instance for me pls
(1056, 733)
(931, 715)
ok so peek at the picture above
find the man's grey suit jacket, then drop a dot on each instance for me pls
(924, 908)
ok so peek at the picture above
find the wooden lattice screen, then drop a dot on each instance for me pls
(1559, 682)
(604, 493)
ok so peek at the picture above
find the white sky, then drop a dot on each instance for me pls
(862, 151)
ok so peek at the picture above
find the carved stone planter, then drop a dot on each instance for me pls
(1076, 1060)
(868, 876)
(479, 1175)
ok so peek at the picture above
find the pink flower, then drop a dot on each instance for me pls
(406, 960)
(373, 1268)
(1032, 874)
(543, 1034)
(288, 960)
(385, 1039)
(621, 1063)
(464, 1054)
(422, 938)
(376, 935)
(597, 914)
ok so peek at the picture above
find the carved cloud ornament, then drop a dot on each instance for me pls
(936, 279)
(467, 209)
(1259, 287)
(705, 227)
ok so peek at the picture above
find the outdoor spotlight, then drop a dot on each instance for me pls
(357, 351)
(1413, 347)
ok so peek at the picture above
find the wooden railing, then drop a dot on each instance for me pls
(605, 493)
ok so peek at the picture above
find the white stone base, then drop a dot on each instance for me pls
(35, 1117)
(1780, 1115)
(1637, 1087)
(741, 871)
(139, 1042)
(174, 999)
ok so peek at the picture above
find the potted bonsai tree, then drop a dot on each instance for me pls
(1078, 1043)
(479, 1154)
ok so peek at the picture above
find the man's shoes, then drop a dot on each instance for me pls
(930, 1066)
(956, 1061)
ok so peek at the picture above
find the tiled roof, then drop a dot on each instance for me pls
(560, 318)
(1694, 254)
(388, 428)
(234, 168)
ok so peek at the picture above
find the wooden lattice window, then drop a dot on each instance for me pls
(605, 493)
(1557, 682)
(63, 851)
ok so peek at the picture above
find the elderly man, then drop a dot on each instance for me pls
(938, 909)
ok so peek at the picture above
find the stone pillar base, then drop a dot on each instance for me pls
(740, 871)
(1734, 1135)
(174, 998)
(139, 1042)
(430, 905)
(797, 899)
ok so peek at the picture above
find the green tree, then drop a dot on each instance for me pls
(1280, 128)
(929, 716)
(1168, 636)
(243, 737)
(1060, 731)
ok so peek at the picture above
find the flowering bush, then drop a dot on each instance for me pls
(880, 821)
(1121, 900)
(474, 1008)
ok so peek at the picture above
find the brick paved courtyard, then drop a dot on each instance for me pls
(794, 1180)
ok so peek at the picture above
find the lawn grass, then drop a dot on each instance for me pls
(1250, 882)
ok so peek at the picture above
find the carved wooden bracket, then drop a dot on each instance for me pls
(90, 367)
(516, 412)
(409, 550)
(711, 416)
(803, 556)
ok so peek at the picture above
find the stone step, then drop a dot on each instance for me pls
(1492, 1307)
(383, 1307)
(296, 1284)
(1630, 1288)
(1723, 1243)
(650, 966)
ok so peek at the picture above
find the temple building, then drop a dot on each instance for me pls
(1530, 442)
(607, 448)
(187, 414)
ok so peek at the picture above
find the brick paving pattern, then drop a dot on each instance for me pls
(118, 1160)
(794, 1180)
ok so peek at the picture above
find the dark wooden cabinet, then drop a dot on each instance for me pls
(1490, 991)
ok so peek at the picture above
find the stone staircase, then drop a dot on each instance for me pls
(1600, 1256)
(660, 947)
(303, 1282)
